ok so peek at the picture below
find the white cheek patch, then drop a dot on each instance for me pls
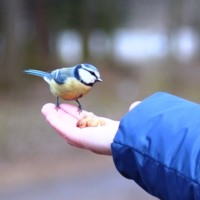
(94, 71)
(86, 77)
(97, 74)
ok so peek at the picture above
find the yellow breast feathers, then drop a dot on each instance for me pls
(72, 89)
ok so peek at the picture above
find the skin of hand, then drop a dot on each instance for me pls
(95, 139)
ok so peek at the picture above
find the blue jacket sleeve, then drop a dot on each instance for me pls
(158, 146)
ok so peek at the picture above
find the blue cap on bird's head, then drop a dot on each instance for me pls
(89, 66)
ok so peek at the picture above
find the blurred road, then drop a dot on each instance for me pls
(102, 184)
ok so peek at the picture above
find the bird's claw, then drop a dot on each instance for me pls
(57, 107)
(79, 109)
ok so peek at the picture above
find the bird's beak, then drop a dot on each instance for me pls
(99, 80)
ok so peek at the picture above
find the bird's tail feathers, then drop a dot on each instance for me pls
(36, 72)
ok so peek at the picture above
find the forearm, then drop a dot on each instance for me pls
(157, 145)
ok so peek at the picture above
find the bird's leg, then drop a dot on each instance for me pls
(57, 103)
(79, 107)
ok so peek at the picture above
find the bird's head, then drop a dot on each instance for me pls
(87, 74)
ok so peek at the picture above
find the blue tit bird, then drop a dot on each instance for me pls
(70, 83)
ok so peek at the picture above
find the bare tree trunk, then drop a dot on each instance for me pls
(42, 32)
(10, 66)
(86, 28)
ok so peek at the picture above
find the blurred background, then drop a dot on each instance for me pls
(139, 47)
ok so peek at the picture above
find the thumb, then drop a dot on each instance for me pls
(133, 105)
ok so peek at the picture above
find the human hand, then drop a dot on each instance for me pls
(96, 139)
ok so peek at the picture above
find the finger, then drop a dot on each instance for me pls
(73, 110)
(133, 105)
(65, 117)
(66, 110)
(48, 109)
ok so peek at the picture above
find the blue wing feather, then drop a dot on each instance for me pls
(59, 75)
(38, 73)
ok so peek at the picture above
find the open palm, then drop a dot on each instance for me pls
(64, 119)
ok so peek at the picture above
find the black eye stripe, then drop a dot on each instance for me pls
(91, 72)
